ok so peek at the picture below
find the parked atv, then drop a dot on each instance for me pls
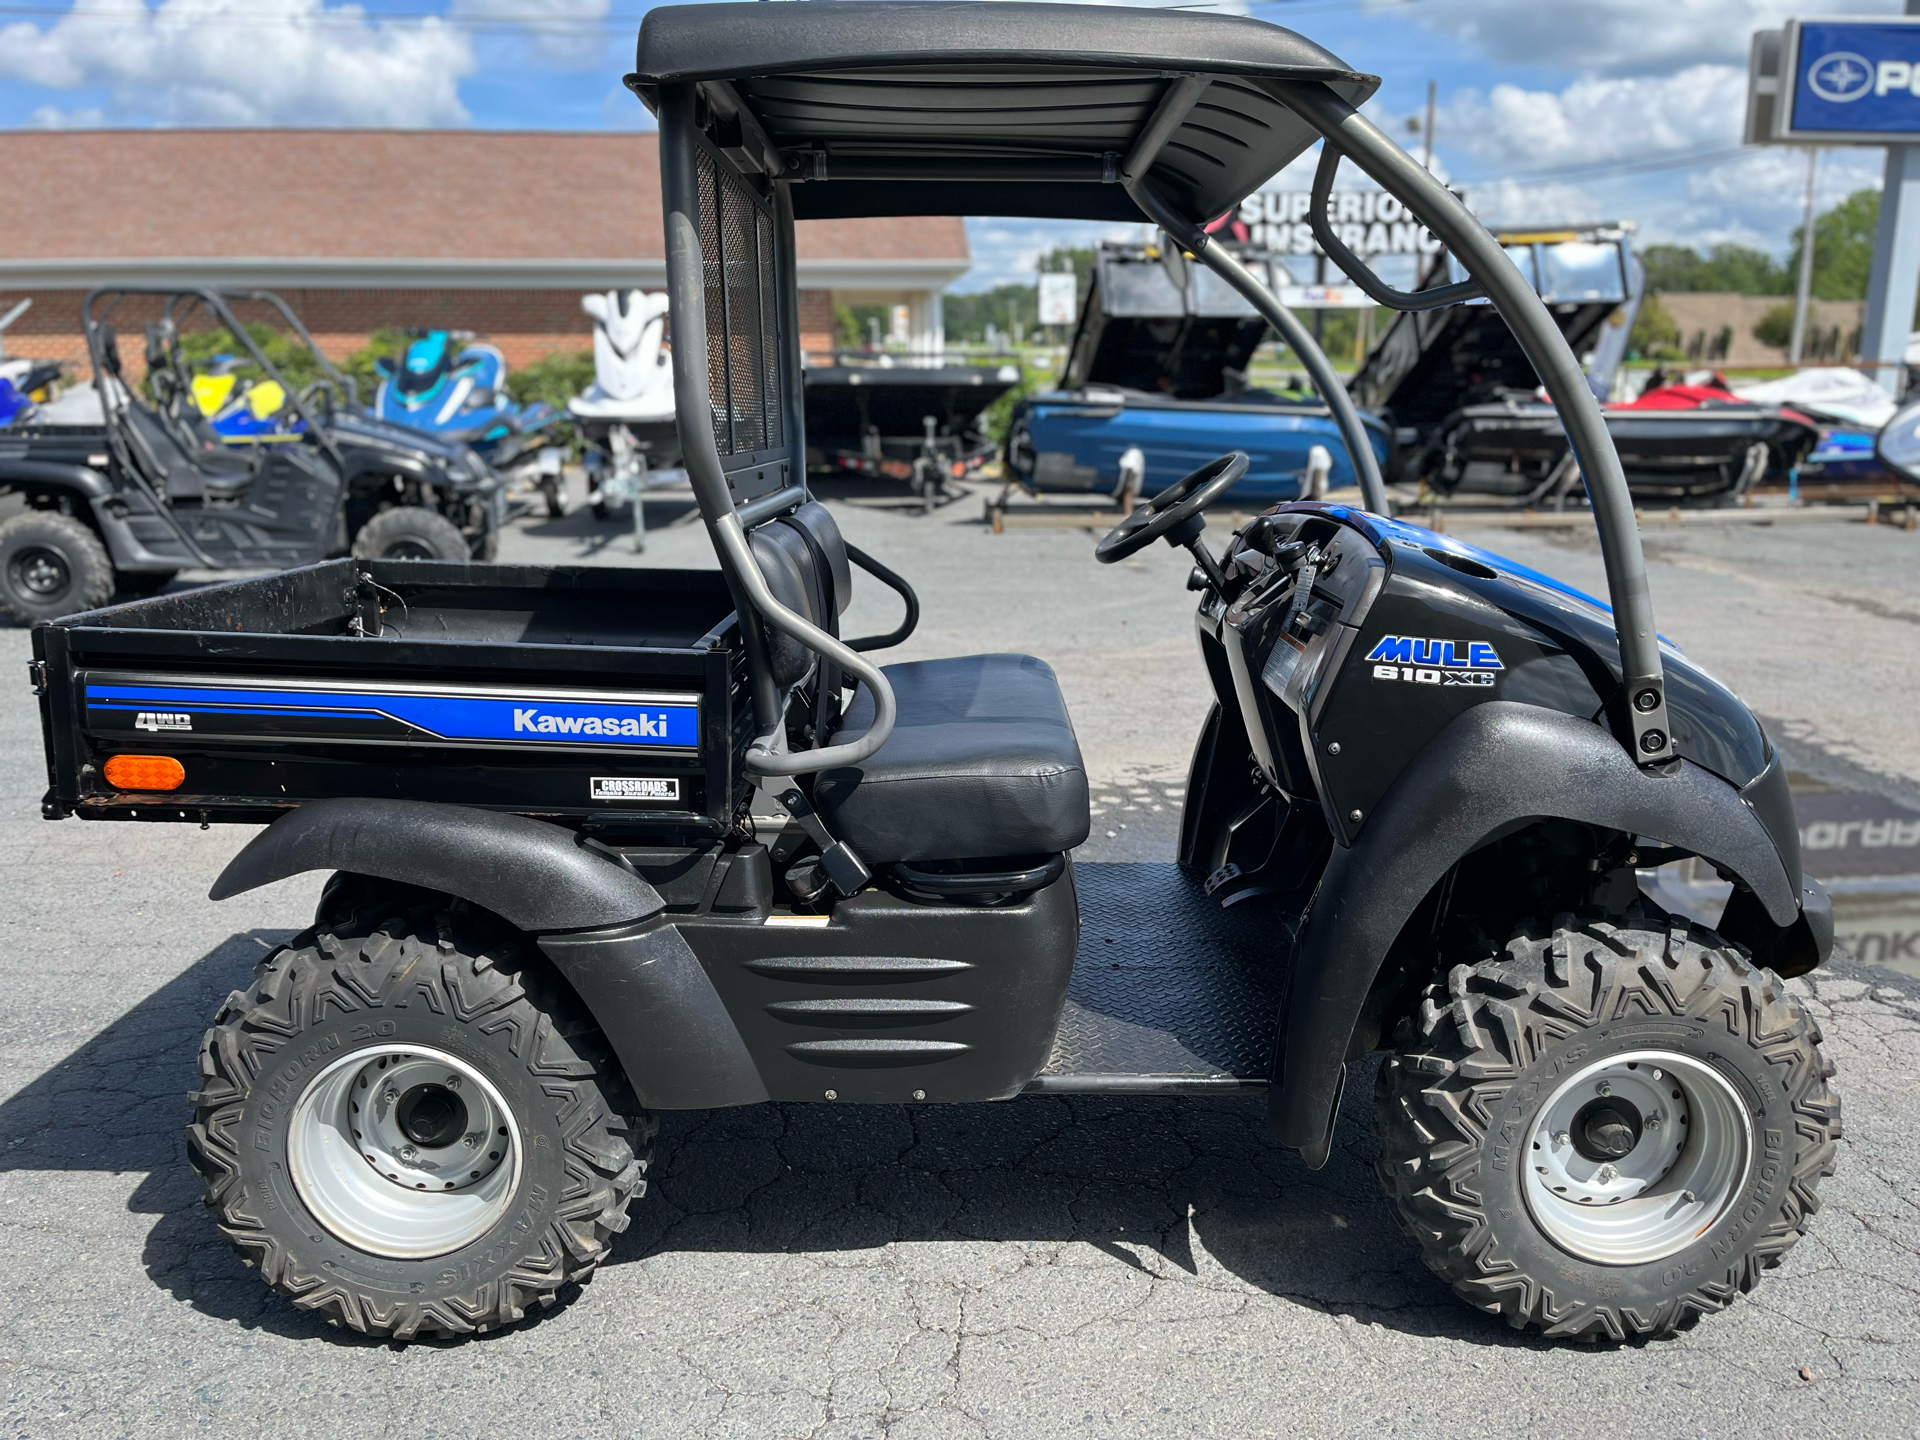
(1415, 822)
(143, 487)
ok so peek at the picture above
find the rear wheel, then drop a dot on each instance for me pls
(411, 1125)
(410, 532)
(51, 565)
(1609, 1130)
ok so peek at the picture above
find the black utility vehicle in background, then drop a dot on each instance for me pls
(1427, 787)
(147, 488)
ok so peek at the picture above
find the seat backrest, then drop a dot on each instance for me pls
(805, 564)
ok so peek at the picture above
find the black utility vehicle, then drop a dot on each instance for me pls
(150, 489)
(1426, 789)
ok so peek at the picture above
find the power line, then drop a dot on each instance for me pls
(1683, 161)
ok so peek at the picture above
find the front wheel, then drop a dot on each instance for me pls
(410, 1124)
(1609, 1130)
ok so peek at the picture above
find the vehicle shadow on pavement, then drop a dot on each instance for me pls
(1191, 1192)
(131, 1079)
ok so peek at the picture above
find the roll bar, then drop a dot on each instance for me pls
(1639, 712)
(693, 403)
(1641, 718)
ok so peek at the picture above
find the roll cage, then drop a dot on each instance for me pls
(96, 315)
(772, 113)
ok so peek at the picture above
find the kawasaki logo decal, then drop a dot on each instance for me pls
(530, 719)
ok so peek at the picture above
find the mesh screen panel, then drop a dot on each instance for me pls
(743, 356)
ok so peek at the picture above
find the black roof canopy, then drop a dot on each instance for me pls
(924, 107)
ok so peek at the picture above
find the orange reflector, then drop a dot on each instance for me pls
(145, 772)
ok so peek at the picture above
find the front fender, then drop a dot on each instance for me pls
(1496, 766)
(531, 874)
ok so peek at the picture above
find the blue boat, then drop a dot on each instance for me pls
(1161, 368)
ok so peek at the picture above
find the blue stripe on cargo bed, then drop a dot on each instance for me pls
(518, 719)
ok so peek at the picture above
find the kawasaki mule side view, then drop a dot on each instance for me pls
(1415, 822)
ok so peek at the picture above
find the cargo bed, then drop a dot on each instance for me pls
(610, 697)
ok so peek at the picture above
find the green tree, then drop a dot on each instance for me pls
(1842, 247)
(1775, 328)
(1656, 334)
(1739, 268)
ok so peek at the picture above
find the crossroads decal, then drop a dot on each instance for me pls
(265, 710)
(1418, 661)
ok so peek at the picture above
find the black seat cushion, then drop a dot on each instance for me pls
(982, 762)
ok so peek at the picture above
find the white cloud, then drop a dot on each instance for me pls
(566, 32)
(1527, 156)
(1596, 119)
(1629, 37)
(52, 117)
(247, 62)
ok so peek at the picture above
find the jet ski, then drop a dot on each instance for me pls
(627, 413)
(458, 395)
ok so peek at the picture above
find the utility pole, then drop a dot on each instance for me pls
(1803, 291)
(1432, 93)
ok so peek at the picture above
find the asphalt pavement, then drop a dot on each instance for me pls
(1044, 1267)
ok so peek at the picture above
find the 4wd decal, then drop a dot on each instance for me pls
(1419, 661)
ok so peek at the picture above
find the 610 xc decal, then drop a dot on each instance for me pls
(1418, 661)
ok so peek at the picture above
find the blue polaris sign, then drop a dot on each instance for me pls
(1854, 80)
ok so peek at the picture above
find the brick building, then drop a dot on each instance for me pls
(495, 232)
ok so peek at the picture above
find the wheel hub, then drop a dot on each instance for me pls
(404, 1151)
(1606, 1129)
(41, 572)
(1633, 1158)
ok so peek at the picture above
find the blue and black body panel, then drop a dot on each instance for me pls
(1425, 702)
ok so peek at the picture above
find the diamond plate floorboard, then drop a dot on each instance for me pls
(1166, 983)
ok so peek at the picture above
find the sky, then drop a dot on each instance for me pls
(1548, 110)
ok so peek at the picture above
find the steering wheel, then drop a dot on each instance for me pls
(1175, 512)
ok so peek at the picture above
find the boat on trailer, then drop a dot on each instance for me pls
(1159, 365)
(1470, 420)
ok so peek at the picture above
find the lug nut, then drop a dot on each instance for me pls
(1562, 1139)
(1687, 1198)
(407, 1152)
(1605, 1087)
(472, 1142)
(1606, 1174)
(1656, 1072)
(1653, 1122)
(453, 1082)
(390, 1095)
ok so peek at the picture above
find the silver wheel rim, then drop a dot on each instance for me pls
(1678, 1174)
(404, 1151)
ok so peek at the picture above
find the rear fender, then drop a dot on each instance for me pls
(603, 927)
(531, 874)
(1497, 766)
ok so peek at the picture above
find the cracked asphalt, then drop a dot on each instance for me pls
(1045, 1267)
